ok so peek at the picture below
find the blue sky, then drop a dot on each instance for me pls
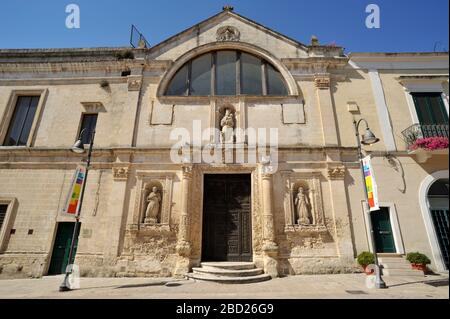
(414, 25)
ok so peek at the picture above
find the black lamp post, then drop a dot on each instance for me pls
(78, 148)
(368, 139)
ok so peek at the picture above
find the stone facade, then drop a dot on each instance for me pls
(316, 151)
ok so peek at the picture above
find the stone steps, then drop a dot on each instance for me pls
(398, 266)
(229, 265)
(403, 272)
(229, 273)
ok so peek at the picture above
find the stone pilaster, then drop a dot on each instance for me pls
(336, 176)
(270, 248)
(116, 210)
(184, 246)
(327, 113)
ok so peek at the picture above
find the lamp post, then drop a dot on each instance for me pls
(368, 139)
(78, 148)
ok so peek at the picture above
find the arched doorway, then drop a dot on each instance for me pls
(437, 196)
(425, 208)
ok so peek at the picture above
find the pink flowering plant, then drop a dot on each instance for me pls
(430, 143)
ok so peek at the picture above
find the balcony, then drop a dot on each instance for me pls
(424, 141)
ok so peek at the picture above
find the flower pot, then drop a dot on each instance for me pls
(421, 267)
(367, 270)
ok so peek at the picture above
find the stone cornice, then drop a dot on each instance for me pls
(314, 62)
(68, 80)
(108, 66)
(398, 56)
(232, 99)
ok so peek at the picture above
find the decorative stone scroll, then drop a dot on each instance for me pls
(228, 33)
(336, 172)
(303, 202)
(322, 81)
(134, 84)
(120, 173)
(153, 198)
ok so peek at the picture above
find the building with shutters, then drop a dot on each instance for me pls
(157, 204)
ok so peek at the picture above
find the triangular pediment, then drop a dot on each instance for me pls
(229, 26)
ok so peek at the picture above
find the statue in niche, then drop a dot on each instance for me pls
(154, 200)
(227, 127)
(302, 205)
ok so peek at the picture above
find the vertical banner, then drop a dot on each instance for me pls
(371, 186)
(73, 199)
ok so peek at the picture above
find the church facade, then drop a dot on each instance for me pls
(226, 142)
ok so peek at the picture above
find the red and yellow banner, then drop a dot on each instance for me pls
(371, 185)
(73, 201)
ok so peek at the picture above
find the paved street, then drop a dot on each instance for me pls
(349, 286)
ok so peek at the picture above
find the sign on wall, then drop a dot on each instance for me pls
(73, 199)
(371, 186)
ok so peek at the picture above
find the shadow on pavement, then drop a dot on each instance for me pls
(434, 283)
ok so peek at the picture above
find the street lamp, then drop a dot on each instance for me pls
(78, 148)
(368, 139)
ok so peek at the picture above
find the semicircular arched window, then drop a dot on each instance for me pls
(227, 72)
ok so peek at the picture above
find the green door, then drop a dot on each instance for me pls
(381, 224)
(61, 248)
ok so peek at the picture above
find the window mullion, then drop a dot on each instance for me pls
(264, 78)
(238, 73)
(188, 79)
(213, 73)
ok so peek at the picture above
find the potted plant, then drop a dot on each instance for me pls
(430, 143)
(365, 259)
(418, 261)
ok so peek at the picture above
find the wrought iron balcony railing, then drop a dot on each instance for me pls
(417, 131)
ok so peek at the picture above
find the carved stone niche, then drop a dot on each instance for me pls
(147, 182)
(227, 124)
(312, 195)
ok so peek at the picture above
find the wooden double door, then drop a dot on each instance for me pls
(227, 227)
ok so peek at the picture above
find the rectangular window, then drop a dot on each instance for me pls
(21, 121)
(88, 124)
(430, 108)
(3, 209)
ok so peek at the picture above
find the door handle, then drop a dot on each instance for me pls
(385, 232)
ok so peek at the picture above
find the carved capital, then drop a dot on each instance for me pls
(322, 81)
(134, 84)
(187, 171)
(120, 173)
(336, 172)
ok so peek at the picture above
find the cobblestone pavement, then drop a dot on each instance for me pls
(349, 286)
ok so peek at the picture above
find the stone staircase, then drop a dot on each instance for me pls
(396, 265)
(229, 273)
